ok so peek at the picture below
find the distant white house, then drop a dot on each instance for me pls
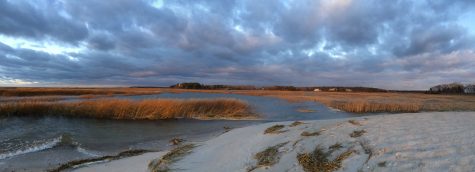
(348, 90)
(469, 89)
(317, 90)
(332, 89)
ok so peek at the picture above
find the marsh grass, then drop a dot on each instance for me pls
(151, 109)
(76, 163)
(39, 91)
(370, 102)
(275, 129)
(356, 102)
(372, 107)
(319, 161)
(163, 164)
(31, 99)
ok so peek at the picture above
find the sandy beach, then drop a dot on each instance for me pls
(439, 141)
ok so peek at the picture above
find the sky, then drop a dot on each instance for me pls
(397, 44)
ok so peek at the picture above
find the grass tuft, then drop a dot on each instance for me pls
(306, 133)
(335, 146)
(355, 122)
(176, 141)
(357, 133)
(296, 123)
(269, 156)
(275, 129)
(163, 164)
(318, 160)
(382, 164)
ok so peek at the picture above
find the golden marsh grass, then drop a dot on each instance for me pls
(357, 102)
(128, 109)
(369, 102)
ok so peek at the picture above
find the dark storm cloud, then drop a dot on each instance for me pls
(393, 44)
(39, 20)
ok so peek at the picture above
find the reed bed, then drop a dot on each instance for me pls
(374, 107)
(369, 102)
(358, 102)
(32, 99)
(151, 109)
(22, 92)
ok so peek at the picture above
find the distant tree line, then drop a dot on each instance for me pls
(195, 85)
(453, 88)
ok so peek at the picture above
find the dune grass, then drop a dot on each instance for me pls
(357, 133)
(163, 164)
(269, 156)
(151, 109)
(307, 134)
(319, 161)
(275, 129)
(296, 123)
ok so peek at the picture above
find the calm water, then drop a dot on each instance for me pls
(36, 144)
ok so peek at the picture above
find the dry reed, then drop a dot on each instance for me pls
(359, 102)
(38, 91)
(367, 102)
(128, 109)
(365, 107)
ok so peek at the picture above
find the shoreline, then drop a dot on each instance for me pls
(398, 142)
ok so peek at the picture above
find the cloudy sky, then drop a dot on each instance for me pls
(397, 44)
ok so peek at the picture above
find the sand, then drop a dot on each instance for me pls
(135, 164)
(441, 141)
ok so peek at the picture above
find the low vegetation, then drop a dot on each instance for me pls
(365, 107)
(354, 122)
(269, 156)
(275, 129)
(176, 141)
(370, 102)
(335, 146)
(76, 163)
(296, 123)
(32, 99)
(354, 101)
(151, 109)
(319, 160)
(163, 164)
(306, 133)
(38, 91)
(382, 164)
(357, 133)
